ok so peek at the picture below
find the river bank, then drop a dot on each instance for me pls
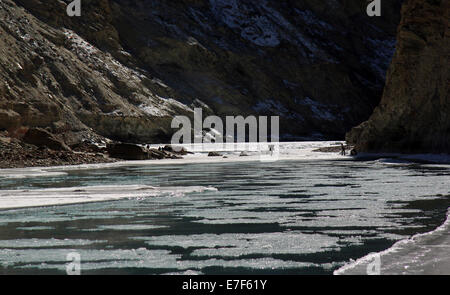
(17, 154)
(50, 152)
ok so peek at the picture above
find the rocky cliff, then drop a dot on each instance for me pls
(414, 113)
(124, 68)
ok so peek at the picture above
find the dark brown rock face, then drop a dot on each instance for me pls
(125, 68)
(414, 114)
(43, 138)
(9, 119)
(53, 78)
(127, 151)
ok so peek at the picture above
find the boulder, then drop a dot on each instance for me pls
(127, 151)
(88, 147)
(9, 119)
(162, 154)
(177, 150)
(214, 154)
(42, 138)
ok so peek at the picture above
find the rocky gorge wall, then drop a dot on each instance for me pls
(414, 113)
(125, 68)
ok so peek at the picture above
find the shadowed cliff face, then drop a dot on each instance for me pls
(125, 68)
(414, 114)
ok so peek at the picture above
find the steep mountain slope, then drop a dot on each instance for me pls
(414, 114)
(53, 78)
(125, 68)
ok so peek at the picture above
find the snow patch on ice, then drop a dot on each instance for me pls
(29, 172)
(74, 195)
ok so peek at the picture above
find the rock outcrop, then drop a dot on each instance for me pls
(15, 153)
(414, 113)
(52, 78)
(42, 138)
(124, 68)
(128, 151)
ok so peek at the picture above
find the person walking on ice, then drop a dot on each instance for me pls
(343, 153)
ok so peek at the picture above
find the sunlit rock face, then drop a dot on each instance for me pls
(414, 114)
(125, 68)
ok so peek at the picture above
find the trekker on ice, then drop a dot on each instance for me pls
(343, 149)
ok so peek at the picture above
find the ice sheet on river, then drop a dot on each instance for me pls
(61, 196)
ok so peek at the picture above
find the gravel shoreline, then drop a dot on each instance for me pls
(16, 154)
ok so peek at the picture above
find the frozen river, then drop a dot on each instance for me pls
(303, 214)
